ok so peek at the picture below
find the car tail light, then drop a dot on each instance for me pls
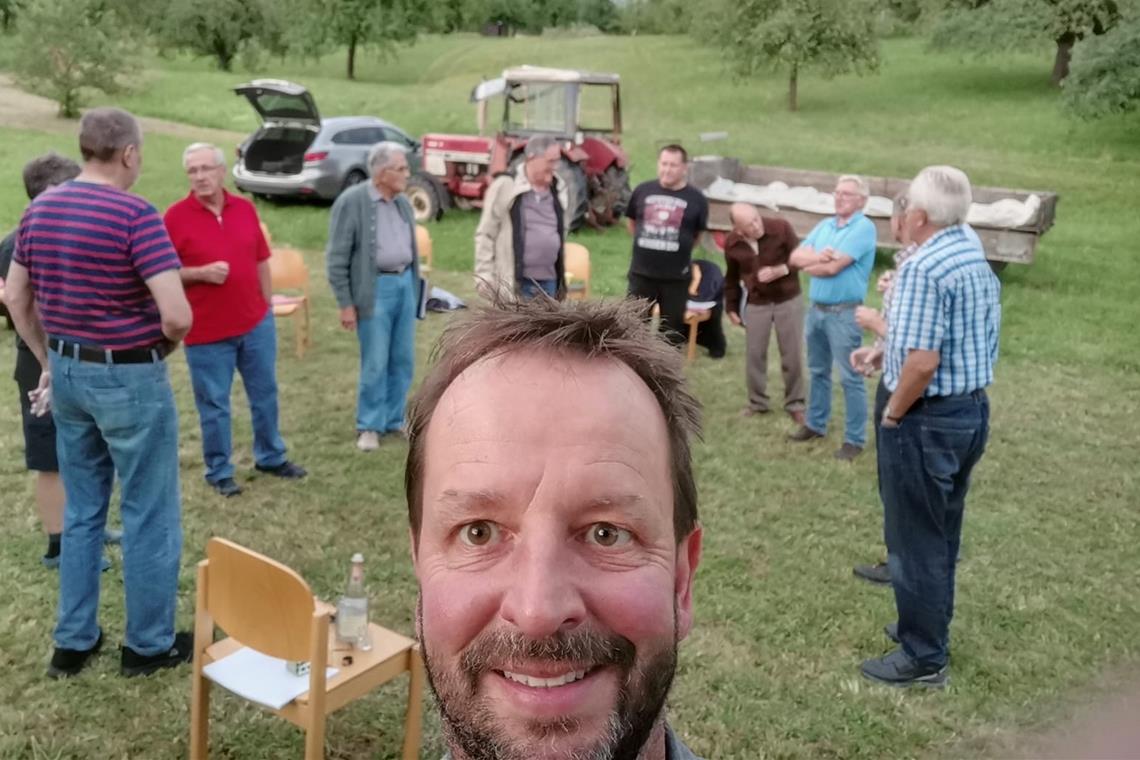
(315, 156)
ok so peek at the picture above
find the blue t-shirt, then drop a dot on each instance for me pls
(855, 239)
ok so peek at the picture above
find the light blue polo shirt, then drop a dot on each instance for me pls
(855, 239)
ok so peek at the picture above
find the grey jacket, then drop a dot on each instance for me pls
(350, 258)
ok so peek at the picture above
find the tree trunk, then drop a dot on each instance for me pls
(793, 80)
(1061, 61)
(352, 57)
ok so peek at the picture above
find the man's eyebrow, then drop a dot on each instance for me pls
(456, 500)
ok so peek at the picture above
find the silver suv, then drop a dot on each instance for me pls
(297, 153)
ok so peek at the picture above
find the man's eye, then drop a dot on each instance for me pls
(479, 533)
(604, 534)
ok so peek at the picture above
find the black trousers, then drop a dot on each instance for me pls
(710, 333)
(671, 296)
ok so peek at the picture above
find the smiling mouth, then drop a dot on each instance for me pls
(545, 683)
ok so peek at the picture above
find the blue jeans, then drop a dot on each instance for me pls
(212, 365)
(831, 337)
(924, 470)
(529, 288)
(117, 420)
(387, 354)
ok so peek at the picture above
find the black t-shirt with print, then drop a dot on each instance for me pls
(668, 222)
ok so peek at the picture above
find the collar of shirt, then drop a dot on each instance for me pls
(227, 201)
(854, 217)
(377, 196)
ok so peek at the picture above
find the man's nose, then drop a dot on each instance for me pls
(543, 597)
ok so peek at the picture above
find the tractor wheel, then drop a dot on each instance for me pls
(424, 197)
(610, 196)
(573, 176)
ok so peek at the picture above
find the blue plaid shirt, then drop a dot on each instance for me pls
(946, 299)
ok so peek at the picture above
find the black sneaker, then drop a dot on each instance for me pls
(892, 632)
(898, 670)
(286, 470)
(804, 434)
(226, 487)
(68, 662)
(135, 664)
(878, 573)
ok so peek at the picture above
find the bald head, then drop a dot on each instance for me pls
(746, 221)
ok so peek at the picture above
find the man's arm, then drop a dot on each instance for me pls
(490, 222)
(832, 266)
(173, 308)
(214, 273)
(732, 289)
(21, 304)
(917, 372)
(264, 280)
(338, 254)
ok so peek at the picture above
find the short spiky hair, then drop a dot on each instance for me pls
(615, 330)
(46, 171)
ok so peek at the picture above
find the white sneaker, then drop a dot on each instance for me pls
(368, 440)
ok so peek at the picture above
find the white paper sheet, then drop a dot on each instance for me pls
(259, 678)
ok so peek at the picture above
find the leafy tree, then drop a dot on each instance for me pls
(8, 11)
(830, 36)
(318, 26)
(990, 26)
(224, 29)
(1105, 76)
(69, 47)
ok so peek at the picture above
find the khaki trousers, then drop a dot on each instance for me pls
(788, 320)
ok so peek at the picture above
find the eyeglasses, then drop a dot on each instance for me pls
(846, 194)
(398, 169)
(194, 171)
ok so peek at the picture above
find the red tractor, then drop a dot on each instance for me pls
(581, 109)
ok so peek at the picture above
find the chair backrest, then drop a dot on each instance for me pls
(287, 269)
(577, 262)
(423, 243)
(258, 601)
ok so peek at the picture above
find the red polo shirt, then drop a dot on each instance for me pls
(236, 306)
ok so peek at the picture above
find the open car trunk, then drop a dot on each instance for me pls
(278, 149)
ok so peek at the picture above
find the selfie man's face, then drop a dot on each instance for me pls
(552, 588)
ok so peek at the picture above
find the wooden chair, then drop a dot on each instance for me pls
(576, 260)
(263, 605)
(692, 319)
(423, 244)
(287, 271)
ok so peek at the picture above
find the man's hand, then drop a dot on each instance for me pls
(771, 274)
(827, 255)
(348, 317)
(734, 318)
(870, 319)
(866, 360)
(41, 395)
(214, 273)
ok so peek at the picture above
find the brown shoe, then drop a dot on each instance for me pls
(804, 434)
(847, 452)
(749, 411)
(798, 417)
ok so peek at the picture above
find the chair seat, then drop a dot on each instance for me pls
(285, 309)
(387, 658)
(280, 299)
(693, 317)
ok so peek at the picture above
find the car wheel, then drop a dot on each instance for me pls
(354, 177)
(424, 197)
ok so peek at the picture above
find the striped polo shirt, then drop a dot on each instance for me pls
(89, 250)
(946, 299)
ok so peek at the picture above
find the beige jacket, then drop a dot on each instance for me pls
(495, 255)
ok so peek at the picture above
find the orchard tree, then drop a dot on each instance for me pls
(318, 26)
(793, 36)
(1105, 77)
(224, 29)
(66, 48)
(992, 26)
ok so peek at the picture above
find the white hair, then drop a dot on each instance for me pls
(859, 183)
(219, 155)
(943, 192)
(383, 153)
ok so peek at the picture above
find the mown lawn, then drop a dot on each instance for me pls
(1047, 600)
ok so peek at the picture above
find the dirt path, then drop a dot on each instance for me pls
(23, 110)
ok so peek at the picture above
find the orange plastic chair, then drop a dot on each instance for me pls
(264, 605)
(423, 244)
(576, 262)
(287, 271)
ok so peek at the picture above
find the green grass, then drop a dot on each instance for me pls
(1047, 599)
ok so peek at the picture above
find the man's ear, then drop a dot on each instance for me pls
(688, 557)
